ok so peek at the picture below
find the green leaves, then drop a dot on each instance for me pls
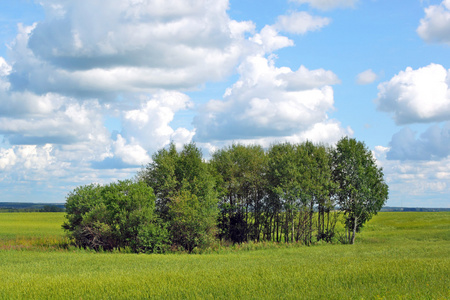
(117, 215)
(186, 199)
(361, 190)
(286, 192)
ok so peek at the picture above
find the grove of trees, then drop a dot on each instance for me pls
(287, 193)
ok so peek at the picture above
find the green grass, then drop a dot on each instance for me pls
(397, 256)
(31, 230)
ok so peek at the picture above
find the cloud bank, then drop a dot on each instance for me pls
(270, 101)
(96, 88)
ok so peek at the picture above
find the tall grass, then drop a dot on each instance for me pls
(40, 231)
(397, 256)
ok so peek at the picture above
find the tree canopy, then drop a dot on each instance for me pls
(361, 190)
(287, 193)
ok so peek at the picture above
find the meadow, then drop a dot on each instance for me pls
(398, 255)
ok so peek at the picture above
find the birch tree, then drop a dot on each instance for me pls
(361, 189)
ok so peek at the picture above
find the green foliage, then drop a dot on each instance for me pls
(240, 172)
(117, 215)
(192, 224)
(287, 193)
(160, 175)
(300, 181)
(186, 198)
(361, 190)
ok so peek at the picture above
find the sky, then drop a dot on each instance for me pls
(91, 89)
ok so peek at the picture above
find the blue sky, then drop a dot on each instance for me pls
(89, 90)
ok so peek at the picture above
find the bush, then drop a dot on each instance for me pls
(192, 223)
(117, 215)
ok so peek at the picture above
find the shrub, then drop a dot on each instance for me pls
(117, 215)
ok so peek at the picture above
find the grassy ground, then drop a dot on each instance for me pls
(37, 231)
(397, 256)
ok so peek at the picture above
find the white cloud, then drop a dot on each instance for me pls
(435, 27)
(366, 77)
(433, 144)
(416, 183)
(25, 104)
(272, 103)
(7, 158)
(149, 126)
(269, 40)
(27, 159)
(128, 46)
(5, 70)
(30, 119)
(92, 61)
(421, 95)
(300, 23)
(328, 4)
(130, 154)
(327, 132)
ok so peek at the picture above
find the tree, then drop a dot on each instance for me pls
(185, 195)
(117, 215)
(361, 190)
(240, 172)
(161, 176)
(284, 179)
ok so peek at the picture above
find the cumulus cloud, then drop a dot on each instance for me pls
(269, 40)
(433, 144)
(327, 132)
(101, 46)
(327, 4)
(435, 26)
(149, 126)
(5, 70)
(130, 154)
(147, 129)
(30, 162)
(269, 102)
(300, 22)
(89, 62)
(420, 183)
(30, 119)
(421, 95)
(366, 77)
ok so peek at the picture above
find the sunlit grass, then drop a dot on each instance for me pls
(397, 256)
(40, 231)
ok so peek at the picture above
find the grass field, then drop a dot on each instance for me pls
(397, 256)
(31, 230)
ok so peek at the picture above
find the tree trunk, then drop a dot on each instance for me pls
(311, 212)
(354, 230)
(278, 222)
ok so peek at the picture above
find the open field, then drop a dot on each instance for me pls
(31, 230)
(398, 255)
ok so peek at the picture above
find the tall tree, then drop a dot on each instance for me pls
(361, 189)
(185, 194)
(241, 181)
(284, 178)
(315, 183)
(160, 175)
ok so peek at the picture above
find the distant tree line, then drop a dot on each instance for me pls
(287, 193)
(30, 207)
